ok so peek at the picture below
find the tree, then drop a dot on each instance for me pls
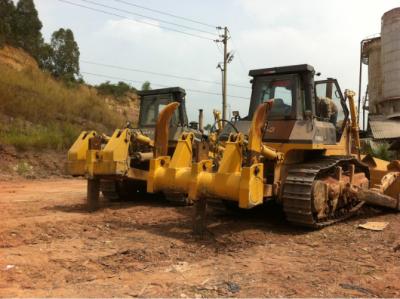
(208, 127)
(26, 27)
(146, 86)
(7, 10)
(45, 59)
(65, 55)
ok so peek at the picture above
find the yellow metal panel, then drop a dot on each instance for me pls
(157, 169)
(251, 186)
(232, 158)
(172, 174)
(183, 152)
(76, 167)
(114, 158)
(76, 164)
(80, 146)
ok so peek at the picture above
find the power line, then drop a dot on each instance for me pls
(161, 85)
(159, 74)
(149, 17)
(245, 69)
(158, 26)
(138, 21)
(165, 13)
(144, 16)
(217, 45)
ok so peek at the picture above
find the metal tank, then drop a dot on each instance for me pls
(390, 59)
(372, 57)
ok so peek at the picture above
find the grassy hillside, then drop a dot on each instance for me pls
(38, 112)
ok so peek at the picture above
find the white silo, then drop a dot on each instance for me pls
(372, 57)
(390, 60)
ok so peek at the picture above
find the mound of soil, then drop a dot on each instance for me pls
(31, 164)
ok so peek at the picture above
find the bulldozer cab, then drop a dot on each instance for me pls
(153, 101)
(297, 100)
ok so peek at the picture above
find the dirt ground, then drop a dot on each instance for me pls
(50, 246)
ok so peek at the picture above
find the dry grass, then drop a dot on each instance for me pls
(45, 113)
(25, 136)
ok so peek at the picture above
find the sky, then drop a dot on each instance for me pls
(265, 33)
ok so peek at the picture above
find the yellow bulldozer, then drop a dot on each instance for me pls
(299, 145)
(117, 166)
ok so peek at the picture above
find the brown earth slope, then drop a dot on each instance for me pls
(40, 117)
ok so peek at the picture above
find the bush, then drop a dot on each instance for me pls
(378, 150)
(23, 168)
(58, 136)
(116, 90)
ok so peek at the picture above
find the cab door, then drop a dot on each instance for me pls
(330, 105)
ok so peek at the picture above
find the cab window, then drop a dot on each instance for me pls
(280, 90)
(151, 107)
(328, 104)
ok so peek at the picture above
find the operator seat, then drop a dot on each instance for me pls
(279, 107)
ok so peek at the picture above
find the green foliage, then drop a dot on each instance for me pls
(20, 26)
(45, 60)
(208, 127)
(146, 86)
(63, 55)
(117, 90)
(26, 28)
(45, 113)
(7, 10)
(378, 150)
(55, 135)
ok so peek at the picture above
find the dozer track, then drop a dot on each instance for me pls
(297, 192)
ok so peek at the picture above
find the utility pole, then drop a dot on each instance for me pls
(225, 42)
(227, 59)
